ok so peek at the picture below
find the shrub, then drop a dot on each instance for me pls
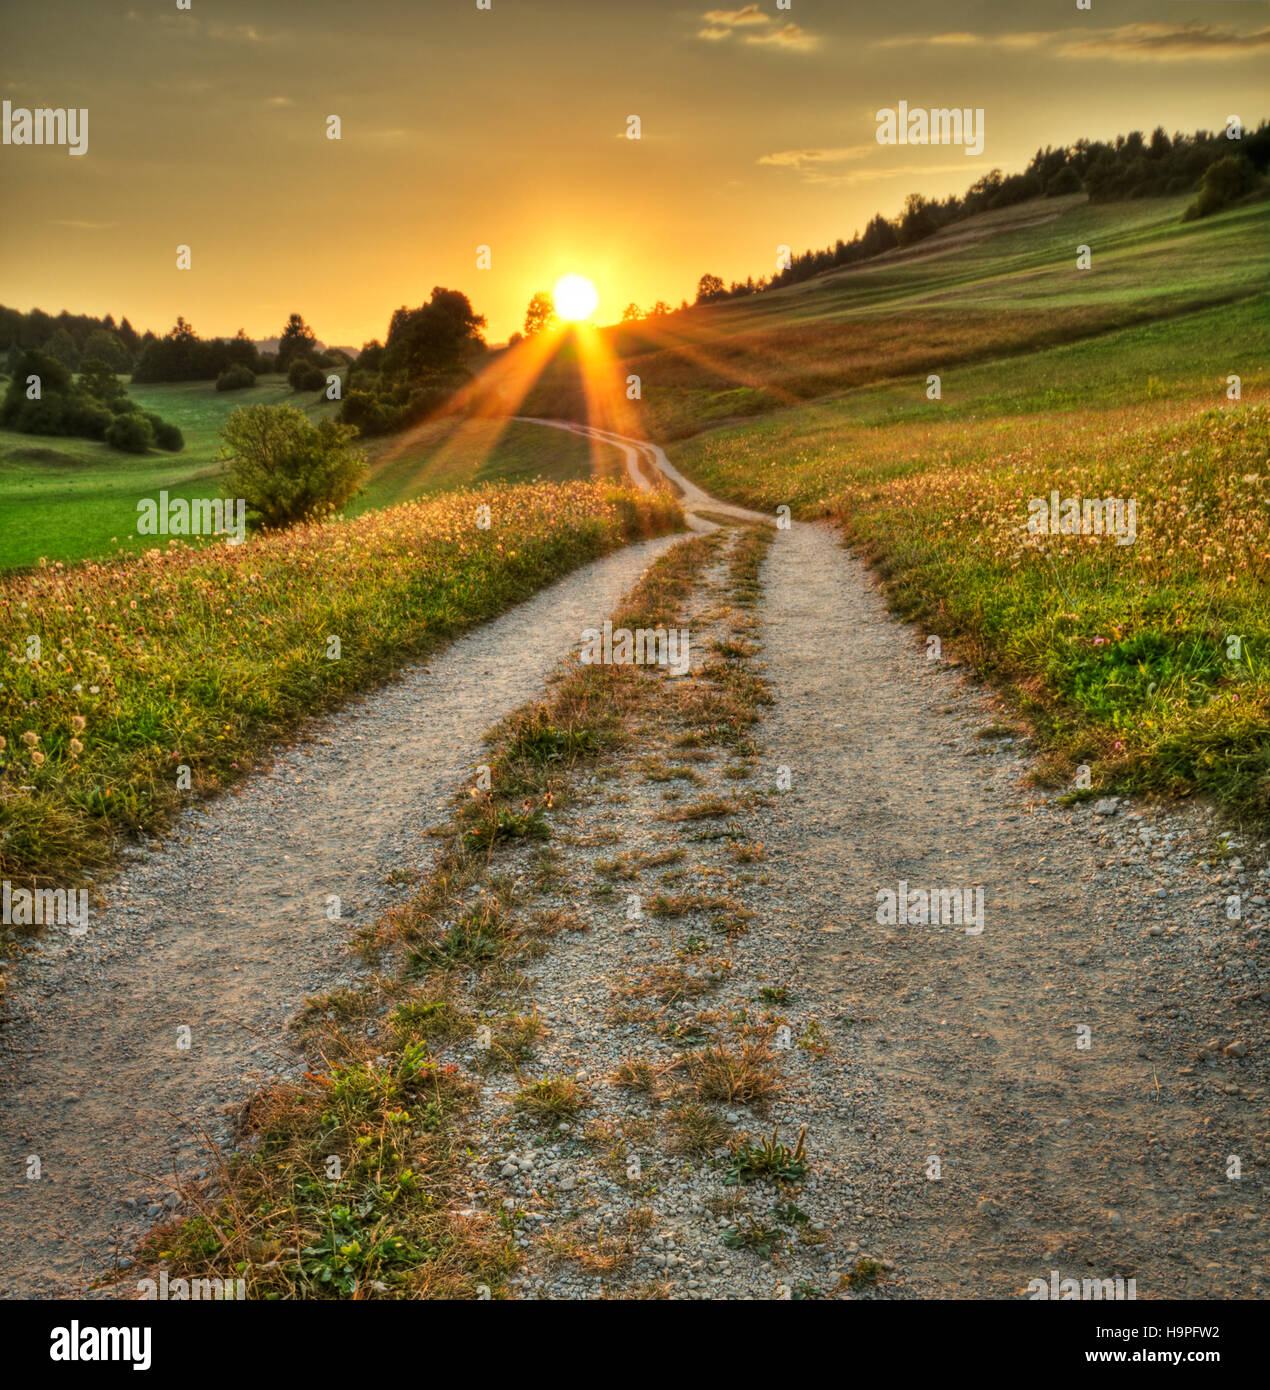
(287, 468)
(235, 378)
(1225, 182)
(132, 433)
(86, 418)
(168, 436)
(366, 413)
(1067, 180)
(55, 381)
(304, 375)
(45, 416)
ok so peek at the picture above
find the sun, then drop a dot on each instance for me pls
(575, 298)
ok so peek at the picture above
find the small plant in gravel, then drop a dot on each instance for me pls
(814, 1041)
(512, 1040)
(790, 1214)
(548, 870)
(733, 648)
(551, 1100)
(662, 858)
(494, 823)
(746, 1074)
(863, 1274)
(670, 984)
(753, 1236)
(769, 1159)
(696, 1131)
(733, 923)
(658, 770)
(538, 740)
(431, 1019)
(340, 1005)
(636, 1074)
(690, 1032)
(773, 994)
(481, 935)
(622, 867)
(708, 808)
(382, 1230)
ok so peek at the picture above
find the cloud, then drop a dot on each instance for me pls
(280, 101)
(751, 14)
(816, 166)
(800, 159)
(1144, 43)
(235, 33)
(724, 24)
(791, 36)
(1169, 42)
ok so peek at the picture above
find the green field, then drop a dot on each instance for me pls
(76, 499)
(1164, 306)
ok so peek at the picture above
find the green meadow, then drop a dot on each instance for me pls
(76, 499)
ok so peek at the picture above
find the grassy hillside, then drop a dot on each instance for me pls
(75, 499)
(1003, 287)
(1105, 383)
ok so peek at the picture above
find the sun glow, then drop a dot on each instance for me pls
(575, 298)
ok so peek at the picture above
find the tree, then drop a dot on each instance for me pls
(99, 380)
(1225, 181)
(540, 316)
(710, 288)
(918, 220)
(106, 345)
(1067, 180)
(631, 313)
(305, 375)
(436, 338)
(174, 357)
(659, 310)
(241, 350)
(296, 339)
(286, 468)
(62, 346)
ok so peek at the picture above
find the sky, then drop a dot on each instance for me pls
(506, 128)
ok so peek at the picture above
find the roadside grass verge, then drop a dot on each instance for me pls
(1119, 655)
(131, 686)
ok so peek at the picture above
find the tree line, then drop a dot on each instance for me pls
(1220, 169)
(75, 340)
